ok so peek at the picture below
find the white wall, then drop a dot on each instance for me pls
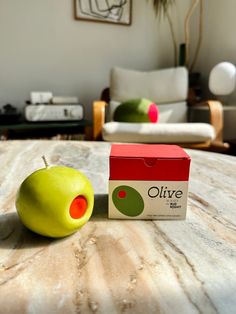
(43, 48)
(219, 42)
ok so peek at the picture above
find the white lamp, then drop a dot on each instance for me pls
(222, 79)
(222, 82)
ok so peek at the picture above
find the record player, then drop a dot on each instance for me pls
(54, 112)
(53, 108)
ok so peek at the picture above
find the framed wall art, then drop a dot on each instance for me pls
(107, 11)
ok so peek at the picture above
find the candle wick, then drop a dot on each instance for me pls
(45, 161)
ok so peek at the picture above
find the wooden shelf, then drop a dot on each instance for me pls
(26, 129)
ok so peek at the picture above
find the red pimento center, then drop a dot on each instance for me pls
(78, 207)
(122, 194)
(153, 113)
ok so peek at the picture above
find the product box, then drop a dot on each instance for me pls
(148, 181)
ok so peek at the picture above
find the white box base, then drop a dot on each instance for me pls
(149, 199)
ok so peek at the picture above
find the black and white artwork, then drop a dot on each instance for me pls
(109, 11)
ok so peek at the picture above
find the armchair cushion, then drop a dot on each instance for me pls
(136, 110)
(166, 85)
(158, 132)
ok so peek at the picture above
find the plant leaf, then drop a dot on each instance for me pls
(161, 6)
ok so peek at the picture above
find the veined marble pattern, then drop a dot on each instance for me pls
(112, 266)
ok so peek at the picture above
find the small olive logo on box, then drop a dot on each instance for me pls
(128, 200)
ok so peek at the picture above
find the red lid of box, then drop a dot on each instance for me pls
(149, 162)
(147, 150)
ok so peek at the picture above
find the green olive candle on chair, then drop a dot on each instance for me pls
(136, 110)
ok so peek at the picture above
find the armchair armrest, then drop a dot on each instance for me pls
(216, 117)
(98, 118)
(216, 120)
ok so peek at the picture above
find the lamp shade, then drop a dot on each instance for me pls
(222, 79)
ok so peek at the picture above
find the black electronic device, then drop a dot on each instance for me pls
(9, 115)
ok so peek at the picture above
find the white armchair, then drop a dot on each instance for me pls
(168, 88)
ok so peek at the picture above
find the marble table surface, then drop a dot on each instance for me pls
(119, 266)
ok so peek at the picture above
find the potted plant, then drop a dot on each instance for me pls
(162, 7)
